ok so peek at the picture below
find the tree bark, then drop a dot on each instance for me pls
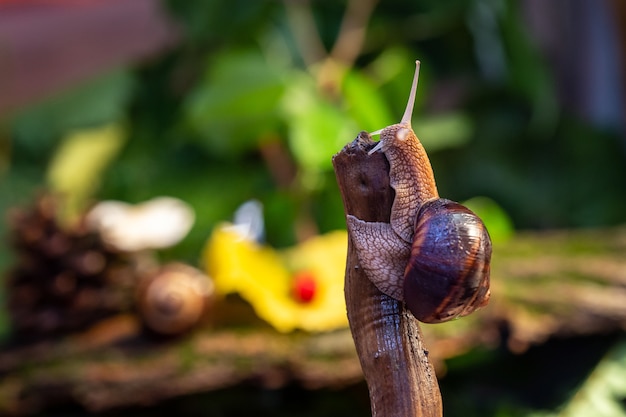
(388, 339)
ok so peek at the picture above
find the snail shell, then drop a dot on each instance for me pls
(175, 299)
(448, 271)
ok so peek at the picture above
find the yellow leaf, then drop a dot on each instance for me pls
(265, 278)
(78, 164)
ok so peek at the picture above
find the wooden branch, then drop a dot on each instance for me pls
(388, 339)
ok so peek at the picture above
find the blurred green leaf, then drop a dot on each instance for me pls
(444, 131)
(393, 71)
(77, 166)
(364, 102)
(205, 20)
(317, 128)
(498, 222)
(236, 103)
(527, 70)
(95, 102)
(603, 393)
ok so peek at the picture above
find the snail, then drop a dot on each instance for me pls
(174, 299)
(434, 254)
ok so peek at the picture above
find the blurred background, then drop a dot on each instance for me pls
(214, 104)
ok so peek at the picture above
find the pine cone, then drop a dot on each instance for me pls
(65, 279)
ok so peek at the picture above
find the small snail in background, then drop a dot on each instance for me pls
(434, 254)
(174, 299)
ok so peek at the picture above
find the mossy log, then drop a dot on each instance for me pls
(544, 285)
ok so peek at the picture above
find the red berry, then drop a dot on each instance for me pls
(304, 287)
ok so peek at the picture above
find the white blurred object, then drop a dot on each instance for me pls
(248, 221)
(155, 224)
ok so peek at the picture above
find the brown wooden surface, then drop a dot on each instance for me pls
(117, 365)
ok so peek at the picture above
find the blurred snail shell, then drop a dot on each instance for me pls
(434, 254)
(175, 299)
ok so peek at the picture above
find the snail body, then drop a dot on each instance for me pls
(434, 254)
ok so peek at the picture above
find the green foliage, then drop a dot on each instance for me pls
(498, 222)
(98, 101)
(34, 137)
(317, 128)
(199, 119)
(603, 393)
(365, 104)
(88, 152)
(235, 103)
